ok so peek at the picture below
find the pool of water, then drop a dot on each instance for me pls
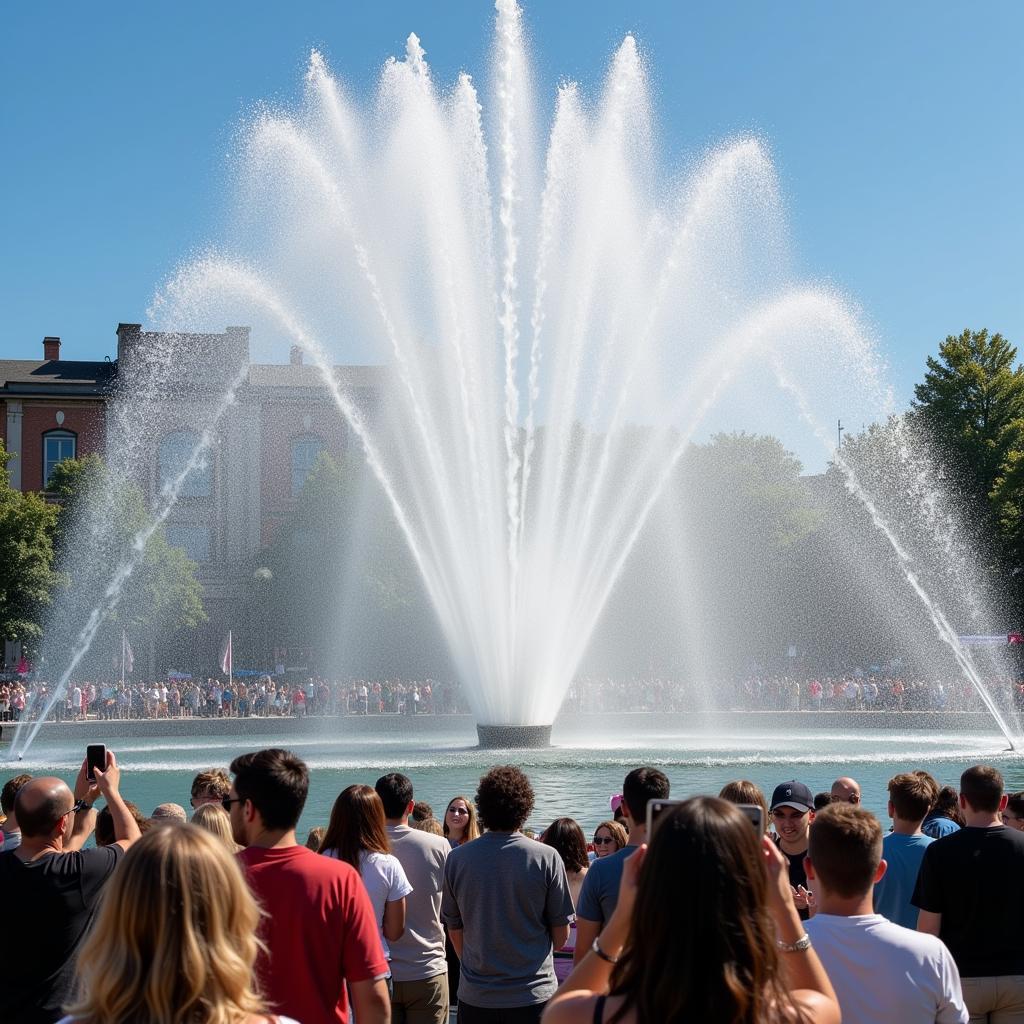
(575, 777)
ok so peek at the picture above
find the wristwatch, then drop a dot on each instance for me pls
(801, 944)
(81, 805)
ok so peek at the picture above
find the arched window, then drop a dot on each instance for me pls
(175, 451)
(305, 451)
(58, 445)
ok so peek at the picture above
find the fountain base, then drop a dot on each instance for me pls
(500, 737)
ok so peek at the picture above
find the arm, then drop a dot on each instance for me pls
(85, 821)
(370, 1001)
(455, 934)
(559, 936)
(586, 932)
(928, 922)
(126, 831)
(394, 919)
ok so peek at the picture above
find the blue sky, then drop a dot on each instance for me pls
(896, 130)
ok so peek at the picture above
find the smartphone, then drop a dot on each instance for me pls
(756, 815)
(655, 808)
(95, 757)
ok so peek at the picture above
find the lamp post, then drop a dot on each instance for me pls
(262, 578)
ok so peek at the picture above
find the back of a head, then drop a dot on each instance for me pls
(277, 783)
(566, 836)
(1015, 804)
(395, 792)
(213, 783)
(845, 847)
(194, 947)
(421, 811)
(169, 813)
(105, 834)
(40, 804)
(356, 825)
(912, 796)
(982, 788)
(642, 785)
(742, 791)
(431, 825)
(504, 799)
(10, 791)
(702, 945)
(217, 822)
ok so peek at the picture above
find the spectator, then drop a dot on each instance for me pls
(565, 835)
(356, 834)
(903, 848)
(10, 838)
(315, 838)
(696, 934)
(52, 887)
(190, 956)
(421, 811)
(104, 834)
(745, 792)
(319, 930)
(969, 895)
(216, 821)
(460, 824)
(945, 816)
(880, 971)
(601, 886)
(164, 814)
(821, 801)
(418, 966)
(1014, 813)
(845, 791)
(210, 787)
(792, 814)
(507, 905)
(431, 825)
(609, 838)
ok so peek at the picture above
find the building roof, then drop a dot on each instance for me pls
(63, 377)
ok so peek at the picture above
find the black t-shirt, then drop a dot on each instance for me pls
(48, 906)
(797, 873)
(972, 878)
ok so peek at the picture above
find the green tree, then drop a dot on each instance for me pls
(26, 556)
(98, 522)
(972, 399)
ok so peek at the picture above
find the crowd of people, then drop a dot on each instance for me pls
(265, 696)
(726, 908)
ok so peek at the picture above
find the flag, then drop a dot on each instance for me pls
(225, 656)
(127, 656)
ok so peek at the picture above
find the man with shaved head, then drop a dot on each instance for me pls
(846, 791)
(51, 885)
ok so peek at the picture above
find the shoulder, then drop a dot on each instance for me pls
(571, 1008)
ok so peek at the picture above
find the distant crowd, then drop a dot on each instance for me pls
(265, 696)
(727, 908)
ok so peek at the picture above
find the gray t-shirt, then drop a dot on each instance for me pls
(419, 953)
(506, 893)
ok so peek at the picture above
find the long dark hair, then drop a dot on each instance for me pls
(565, 835)
(702, 941)
(356, 825)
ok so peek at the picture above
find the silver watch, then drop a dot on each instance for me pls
(804, 942)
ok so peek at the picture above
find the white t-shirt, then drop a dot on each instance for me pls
(385, 881)
(884, 972)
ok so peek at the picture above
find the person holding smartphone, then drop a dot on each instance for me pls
(706, 931)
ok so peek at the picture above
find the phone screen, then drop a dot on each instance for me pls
(756, 815)
(655, 808)
(96, 757)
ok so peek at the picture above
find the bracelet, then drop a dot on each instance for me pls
(595, 947)
(81, 805)
(801, 944)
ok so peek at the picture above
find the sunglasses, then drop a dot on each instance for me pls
(601, 841)
(227, 801)
(457, 810)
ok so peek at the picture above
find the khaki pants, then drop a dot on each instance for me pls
(998, 1000)
(420, 1002)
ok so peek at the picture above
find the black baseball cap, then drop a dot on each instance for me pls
(793, 794)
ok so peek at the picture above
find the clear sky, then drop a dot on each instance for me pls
(896, 129)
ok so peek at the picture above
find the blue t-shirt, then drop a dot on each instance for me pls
(939, 827)
(600, 890)
(903, 855)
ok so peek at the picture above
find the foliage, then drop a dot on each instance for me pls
(26, 558)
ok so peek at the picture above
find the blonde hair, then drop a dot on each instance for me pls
(175, 937)
(472, 830)
(215, 819)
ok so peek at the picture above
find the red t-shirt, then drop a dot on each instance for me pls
(319, 929)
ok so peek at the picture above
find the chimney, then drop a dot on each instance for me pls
(295, 355)
(51, 349)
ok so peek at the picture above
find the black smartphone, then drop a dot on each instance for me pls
(756, 815)
(655, 808)
(95, 757)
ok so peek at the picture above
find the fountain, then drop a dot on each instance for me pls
(559, 323)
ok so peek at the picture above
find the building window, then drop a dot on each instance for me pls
(58, 445)
(305, 451)
(175, 452)
(193, 540)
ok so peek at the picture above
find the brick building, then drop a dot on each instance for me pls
(265, 445)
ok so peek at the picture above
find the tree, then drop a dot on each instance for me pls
(972, 399)
(99, 521)
(26, 555)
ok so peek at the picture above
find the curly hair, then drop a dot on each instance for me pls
(504, 799)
